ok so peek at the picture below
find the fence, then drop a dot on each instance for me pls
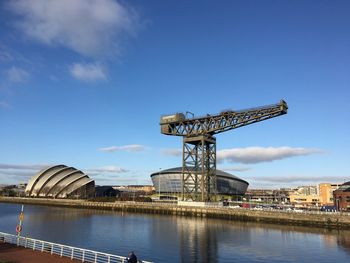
(84, 255)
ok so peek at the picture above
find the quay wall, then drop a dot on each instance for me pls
(312, 219)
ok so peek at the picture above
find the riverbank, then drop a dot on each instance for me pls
(314, 219)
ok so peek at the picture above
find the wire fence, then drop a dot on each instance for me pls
(81, 254)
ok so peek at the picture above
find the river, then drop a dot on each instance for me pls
(162, 238)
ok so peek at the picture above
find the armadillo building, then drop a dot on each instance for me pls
(60, 181)
(170, 181)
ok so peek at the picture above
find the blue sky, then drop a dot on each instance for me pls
(85, 84)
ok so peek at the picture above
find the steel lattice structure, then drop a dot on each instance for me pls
(199, 144)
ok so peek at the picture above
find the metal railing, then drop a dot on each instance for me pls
(81, 254)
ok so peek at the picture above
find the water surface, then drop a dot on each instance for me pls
(162, 238)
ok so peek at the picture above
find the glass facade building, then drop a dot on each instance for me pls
(170, 181)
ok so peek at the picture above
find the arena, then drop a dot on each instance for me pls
(169, 181)
(60, 181)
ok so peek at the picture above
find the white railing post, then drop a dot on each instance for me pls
(71, 257)
(83, 259)
(42, 247)
(61, 251)
(95, 257)
(25, 243)
(34, 245)
(51, 249)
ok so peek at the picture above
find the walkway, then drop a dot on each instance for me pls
(12, 253)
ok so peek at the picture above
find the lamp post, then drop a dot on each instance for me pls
(160, 170)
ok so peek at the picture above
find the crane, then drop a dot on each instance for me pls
(199, 144)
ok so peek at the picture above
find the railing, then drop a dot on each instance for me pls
(81, 254)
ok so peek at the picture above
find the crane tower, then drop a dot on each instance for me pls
(199, 144)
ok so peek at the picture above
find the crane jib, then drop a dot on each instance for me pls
(178, 125)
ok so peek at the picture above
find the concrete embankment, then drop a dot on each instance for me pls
(315, 219)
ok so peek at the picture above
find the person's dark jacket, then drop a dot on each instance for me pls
(132, 258)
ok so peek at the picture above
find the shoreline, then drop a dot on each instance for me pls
(317, 219)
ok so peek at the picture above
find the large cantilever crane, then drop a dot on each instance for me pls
(199, 144)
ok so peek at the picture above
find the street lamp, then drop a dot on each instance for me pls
(160, 170)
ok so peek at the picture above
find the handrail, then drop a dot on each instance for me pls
(81, 254)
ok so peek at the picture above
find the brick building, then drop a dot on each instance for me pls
(341, 197)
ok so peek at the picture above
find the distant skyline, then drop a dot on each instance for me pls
(85, 84)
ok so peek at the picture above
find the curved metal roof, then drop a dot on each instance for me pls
(56, 181)
(219, 173)
(345, 187)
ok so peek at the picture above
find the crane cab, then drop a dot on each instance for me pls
(177, 117)
(284, 106)
(167, 120)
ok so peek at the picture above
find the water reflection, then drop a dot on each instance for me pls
(343, 239)
(198, 242)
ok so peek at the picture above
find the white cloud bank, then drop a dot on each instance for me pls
(88, 72)
(299, 179)
(15, 173)
(252, 155)
(4, 166)
(275, 182)
(92, 28)
(235, 168)
(128, 148)
(107, 170)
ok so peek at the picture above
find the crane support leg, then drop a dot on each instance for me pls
(199, 168)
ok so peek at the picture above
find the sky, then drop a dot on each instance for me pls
(84, 83)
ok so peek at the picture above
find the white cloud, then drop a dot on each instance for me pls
(17, 75)
(171, 152)
(23, 166)
(15, 173)
(89, 27)
(107, 169)
(235, 168)
(299, 179)
(128, 148)
(87, 72)
(275, 182)
(251, 155)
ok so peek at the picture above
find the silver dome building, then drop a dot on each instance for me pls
(170, 181)
(60, 181)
